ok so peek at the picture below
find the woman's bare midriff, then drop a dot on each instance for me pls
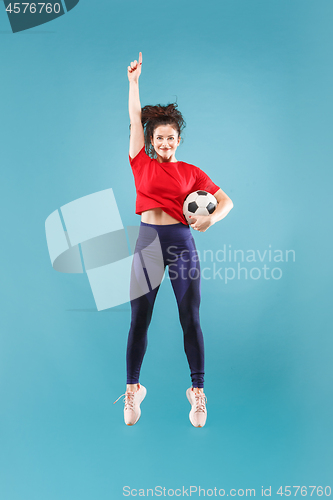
(157, 216)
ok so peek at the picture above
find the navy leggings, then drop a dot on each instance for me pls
(159, 246)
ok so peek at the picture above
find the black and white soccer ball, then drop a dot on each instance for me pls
(198, 203)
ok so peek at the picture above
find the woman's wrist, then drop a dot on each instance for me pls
(212, 219)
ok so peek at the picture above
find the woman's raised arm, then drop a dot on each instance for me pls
(137, 140)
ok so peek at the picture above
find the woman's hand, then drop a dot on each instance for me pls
(134, 70)
(201, 222)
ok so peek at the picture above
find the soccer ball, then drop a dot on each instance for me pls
(198, 203)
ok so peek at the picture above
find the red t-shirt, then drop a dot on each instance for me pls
(166, 185)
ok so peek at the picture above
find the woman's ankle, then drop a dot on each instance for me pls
(198, 389)
(132, 387)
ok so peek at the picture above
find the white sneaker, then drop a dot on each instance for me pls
(132, 401)
(198, 413)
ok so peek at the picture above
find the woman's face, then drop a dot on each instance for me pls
(165, 142)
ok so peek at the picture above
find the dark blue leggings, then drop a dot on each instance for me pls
(159, 246)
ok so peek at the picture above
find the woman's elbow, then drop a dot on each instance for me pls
(230, 203)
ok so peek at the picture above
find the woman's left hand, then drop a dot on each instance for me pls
(201, 222)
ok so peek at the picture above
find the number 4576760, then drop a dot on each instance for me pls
(305, 490)
(32, 8)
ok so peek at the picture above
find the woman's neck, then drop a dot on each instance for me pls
(172, 159)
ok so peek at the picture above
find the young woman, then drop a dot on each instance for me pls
(162, 183)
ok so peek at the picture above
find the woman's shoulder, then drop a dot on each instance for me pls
(189, 165)
(140, 158)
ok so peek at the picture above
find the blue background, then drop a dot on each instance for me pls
(253, 79)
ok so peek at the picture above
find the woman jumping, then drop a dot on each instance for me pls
(162, 183)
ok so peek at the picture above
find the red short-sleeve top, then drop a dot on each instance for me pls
(166, 185)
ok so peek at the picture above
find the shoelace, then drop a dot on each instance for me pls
(128, 399)
(200, 402)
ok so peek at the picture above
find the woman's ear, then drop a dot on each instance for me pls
(179, 138)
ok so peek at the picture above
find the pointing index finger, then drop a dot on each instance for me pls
(140, 57)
